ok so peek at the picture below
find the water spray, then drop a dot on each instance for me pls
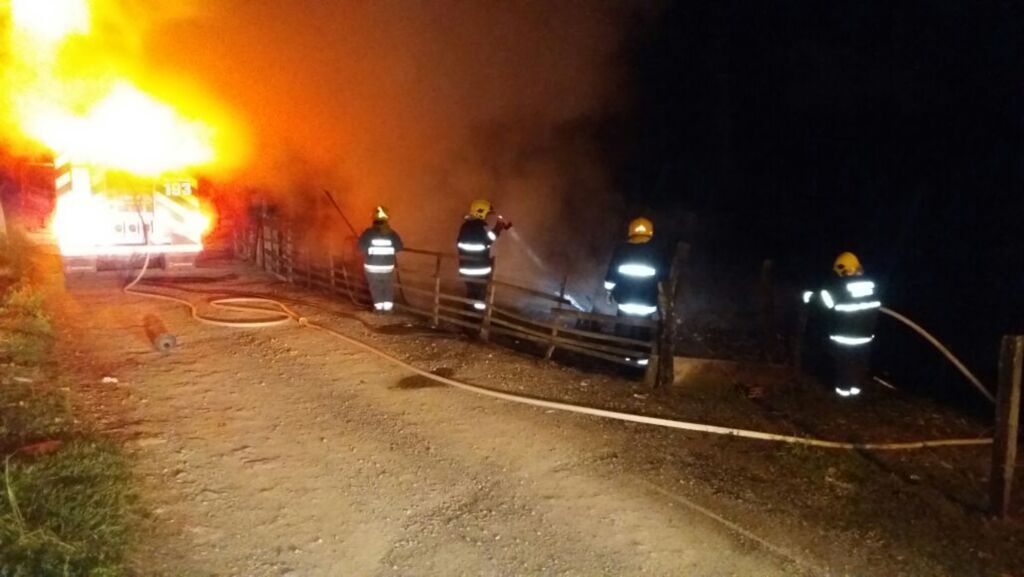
(533, 256)
(540, 264)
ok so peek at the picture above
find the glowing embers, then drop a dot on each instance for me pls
(637, 270)
(637, 310)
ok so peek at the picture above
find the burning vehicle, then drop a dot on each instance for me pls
(126, 149)
(105, 217)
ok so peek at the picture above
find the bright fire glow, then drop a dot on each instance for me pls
(66, 89)
(51, 20)
(86, 224)
(65, 93)
(82, 221)
(127, 130)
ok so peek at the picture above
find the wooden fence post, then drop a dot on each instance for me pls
(309, 266)
(437, 292)
(485, 326)
(401, 286)
(348, 283)
(259, 247)
(768, 344)
(668, 291)
(290, 251)
(796, 353)
(653, 372)
(330, 267)
(554, 326)
(279, 250)
(1004, 447)
(255, 248)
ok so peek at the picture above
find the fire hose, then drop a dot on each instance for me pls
(279, 314)
(283, 315)
(942, 349)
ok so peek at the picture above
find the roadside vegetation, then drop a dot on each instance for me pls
(66, 501)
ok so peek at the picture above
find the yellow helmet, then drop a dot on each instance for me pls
(380, 214)
(847, 264)
(640, 230)
(480, 209)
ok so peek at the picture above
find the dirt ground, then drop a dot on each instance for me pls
(285, 452)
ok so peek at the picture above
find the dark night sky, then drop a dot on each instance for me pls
(892, 129)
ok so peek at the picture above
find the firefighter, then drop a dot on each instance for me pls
(633, 276)
(851, 303)
(380, 243)
(634, 272)
(474, 245)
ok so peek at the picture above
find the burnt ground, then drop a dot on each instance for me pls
(283, 451)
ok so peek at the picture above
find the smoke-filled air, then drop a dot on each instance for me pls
(419, 106)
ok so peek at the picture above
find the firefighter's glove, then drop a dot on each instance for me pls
(501, 225)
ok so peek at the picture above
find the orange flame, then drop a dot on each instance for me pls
(62, 93)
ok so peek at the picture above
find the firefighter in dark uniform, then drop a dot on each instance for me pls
(851, 303)
(380, 243)
(474, 245)
(633, 275)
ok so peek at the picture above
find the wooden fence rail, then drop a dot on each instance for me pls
(272, 247)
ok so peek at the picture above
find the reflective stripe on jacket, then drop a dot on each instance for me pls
(633, 275)
(852, 304)
(474, 246)
(380, 244)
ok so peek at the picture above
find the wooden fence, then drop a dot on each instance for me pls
(432, 293)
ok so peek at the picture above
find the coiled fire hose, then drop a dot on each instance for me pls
(279, 314)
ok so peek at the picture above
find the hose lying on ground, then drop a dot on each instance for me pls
(282, 314)
(942, 349)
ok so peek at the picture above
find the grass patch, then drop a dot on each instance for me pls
(67, 498)
(66, 513)
(25, 329)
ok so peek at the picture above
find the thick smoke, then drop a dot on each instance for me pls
(422, 107)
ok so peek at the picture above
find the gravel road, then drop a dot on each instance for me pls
(284, 452)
